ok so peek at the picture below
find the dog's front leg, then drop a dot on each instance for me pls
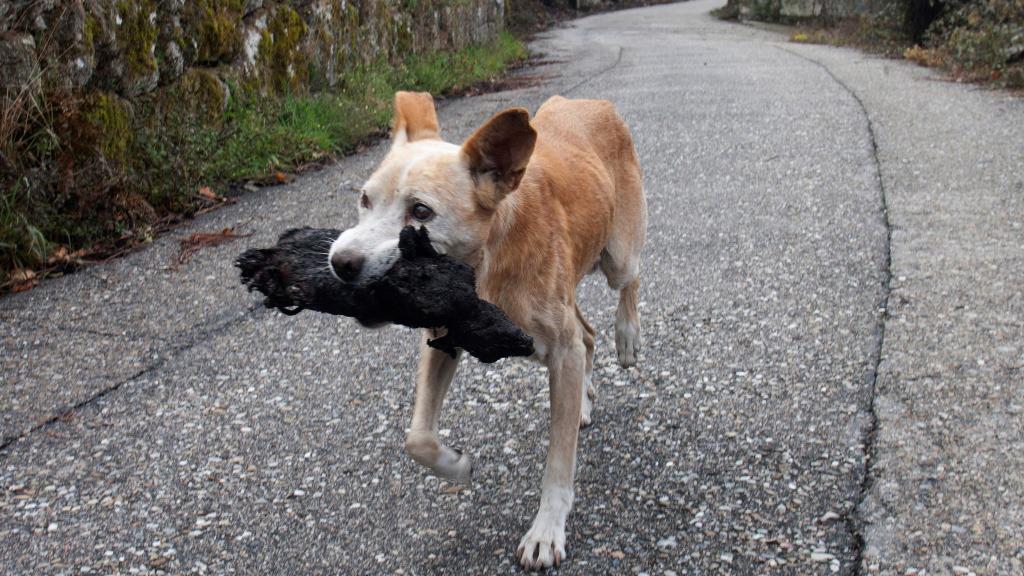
(544, 545)
(435, 372)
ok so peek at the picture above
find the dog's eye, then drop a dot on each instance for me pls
(421, 212)
(364, 201)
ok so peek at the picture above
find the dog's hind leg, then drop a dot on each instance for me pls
(627, 324)
(435, 373)
(620, 259)
(589, 392)
(621, 266)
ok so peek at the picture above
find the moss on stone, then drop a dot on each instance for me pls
(89, 32)
(322, 40)
(198, 96)
(347, 55)
(280, 51)
(218, 29)
(383, 22)
(137, 36)
(107, 121)
(404, 40)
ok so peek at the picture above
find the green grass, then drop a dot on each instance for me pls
(171, 155)
(22, 245)
(261, 135)
(440, 72)
(281, 134)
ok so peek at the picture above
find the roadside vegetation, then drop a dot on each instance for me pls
(973, 40)
(86, 179)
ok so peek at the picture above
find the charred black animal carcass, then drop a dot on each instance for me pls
(423, 289)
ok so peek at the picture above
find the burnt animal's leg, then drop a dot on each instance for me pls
(435, 373)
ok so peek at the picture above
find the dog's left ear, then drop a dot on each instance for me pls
(415, 118)
(497, 154)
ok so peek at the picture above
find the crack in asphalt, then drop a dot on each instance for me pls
(595, 75)
(853, 522)
(61, 327)
(66, 413)
(120, 335)
(172, 353)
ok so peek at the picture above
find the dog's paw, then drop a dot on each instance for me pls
(585, 418)
(461, 471)
(588, 406)
(627, 343)
(542, 547)
(451, 464)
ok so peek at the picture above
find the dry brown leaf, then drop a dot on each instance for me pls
(22, 279)
(208, 193)
(20, 275)
(59, 256)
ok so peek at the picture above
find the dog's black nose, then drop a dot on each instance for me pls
(347, 264)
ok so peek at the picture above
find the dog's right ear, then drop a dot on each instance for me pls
(415, 118)
(497, 154)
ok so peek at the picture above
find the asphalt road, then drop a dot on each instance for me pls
(831, 379)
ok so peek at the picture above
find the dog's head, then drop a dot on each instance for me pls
(454, 191)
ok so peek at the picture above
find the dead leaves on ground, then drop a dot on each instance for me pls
(208, 193)
(21, 279)
(58, 262)
(210, 200)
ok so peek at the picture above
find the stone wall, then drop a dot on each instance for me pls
(125, 49)
(118, 116)
(787, 10)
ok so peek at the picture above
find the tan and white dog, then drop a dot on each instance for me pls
(533, 207)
